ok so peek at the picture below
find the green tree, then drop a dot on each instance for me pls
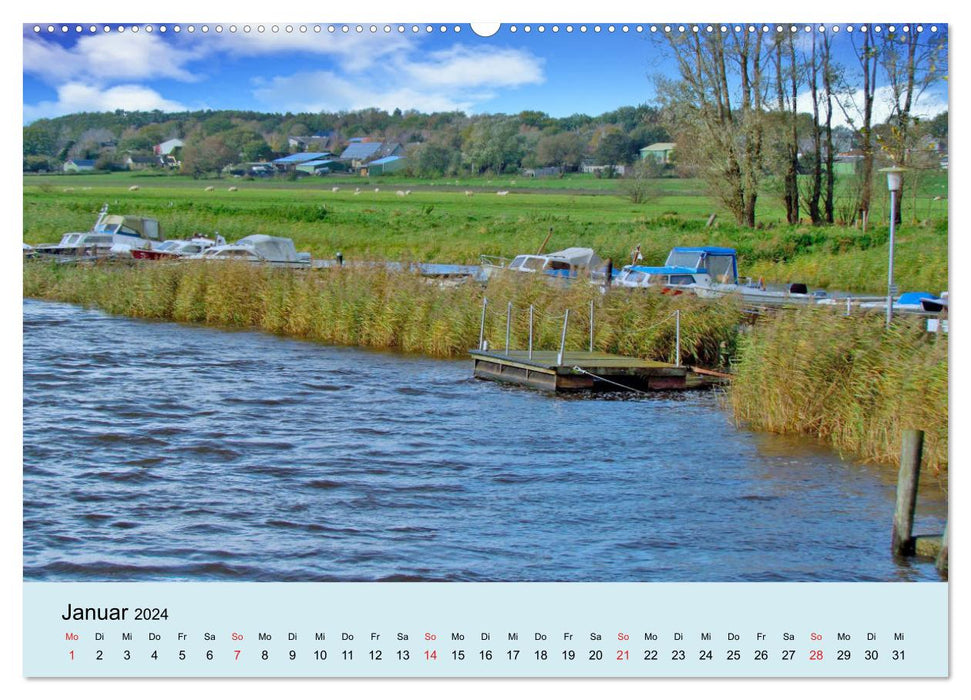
(615, 148)
(205, 155)
(564, 150)
(430, 160)
(494, 143)
(937, 127)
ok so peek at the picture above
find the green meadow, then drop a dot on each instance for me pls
(438, 222)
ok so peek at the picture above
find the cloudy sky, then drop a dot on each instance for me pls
(311, 68)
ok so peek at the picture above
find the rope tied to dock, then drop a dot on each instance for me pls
(609, 381)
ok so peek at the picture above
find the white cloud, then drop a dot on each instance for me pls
(81, 97)
(462, 67)
(927, 106)
(110, 57)
(383, 70)
(324, 91)
(452, 79)
(353, 51)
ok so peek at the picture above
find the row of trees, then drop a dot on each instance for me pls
(737, 110)
(443, 143)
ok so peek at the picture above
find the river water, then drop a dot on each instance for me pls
(159, 451)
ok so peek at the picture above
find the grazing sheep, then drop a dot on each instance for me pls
(468, 194)
(400, 193)
(407, 192)
(233, 189)
(133, 188)
(335, 189)
(376, 189)
(210, 188)
(502, 193)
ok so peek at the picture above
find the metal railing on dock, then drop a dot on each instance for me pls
(591, 326)
(562, 369)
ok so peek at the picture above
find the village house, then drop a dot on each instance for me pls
(318, 142)
(384, 166)
(169, 151)
(360, 153)
(78, 165)
(142, 162)
(662, 152)
(591, 169)
(290, 163)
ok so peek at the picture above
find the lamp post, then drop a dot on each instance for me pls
(895, 178)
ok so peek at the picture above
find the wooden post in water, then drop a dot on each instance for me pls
(911, 451)
(508, 321)
(530, 331)
(485, 303)
(591, 325)
(677, 337)
(566, 320)
(942, 555)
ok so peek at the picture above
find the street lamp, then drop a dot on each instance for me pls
(895, 180)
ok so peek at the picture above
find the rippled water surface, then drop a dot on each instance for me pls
(156, 451)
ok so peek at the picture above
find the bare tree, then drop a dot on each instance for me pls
(912, 61)
(787, 110)
(816, 181)
(726, 139)
(827, 70)
(860, 116)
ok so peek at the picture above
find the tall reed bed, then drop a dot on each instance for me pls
(380, 308)
(847, 380)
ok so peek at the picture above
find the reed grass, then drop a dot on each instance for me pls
(380, 308)
(846, 380)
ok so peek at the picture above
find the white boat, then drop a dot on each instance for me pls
(710, 272)
(568, 263)
(112, 235)
(258, 248)
(173, 249)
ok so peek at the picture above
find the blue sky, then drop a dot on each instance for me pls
(559, 72)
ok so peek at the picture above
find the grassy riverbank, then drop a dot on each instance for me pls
(846, 381)
(438, 222)
(377, 308)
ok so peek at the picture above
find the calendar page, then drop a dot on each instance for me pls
(516, 350)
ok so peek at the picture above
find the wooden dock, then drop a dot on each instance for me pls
(582, 371)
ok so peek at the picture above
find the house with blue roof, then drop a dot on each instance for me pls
(360, 153)
(287, 163)
(321, 166)
(385, 166)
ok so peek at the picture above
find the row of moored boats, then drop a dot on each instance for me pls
(137, 237)
(704, 271)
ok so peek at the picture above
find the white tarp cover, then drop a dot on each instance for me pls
(143, 226)
(271, 248)
(578, 257)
